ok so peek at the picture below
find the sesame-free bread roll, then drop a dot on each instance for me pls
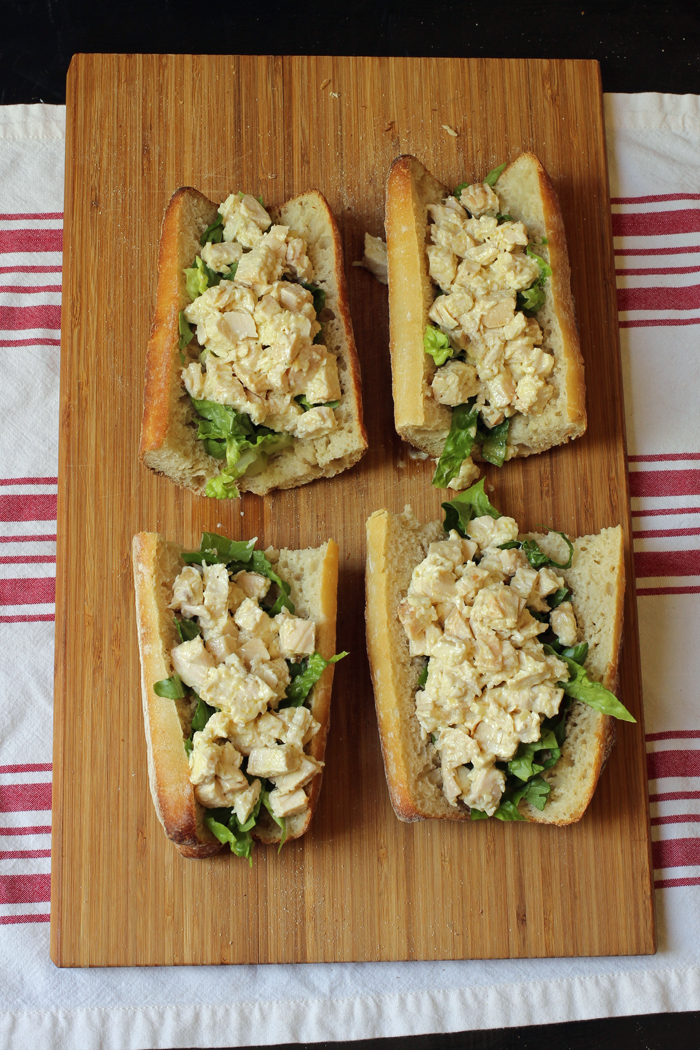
(396, 544)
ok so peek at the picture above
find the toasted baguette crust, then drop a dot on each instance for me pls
(526, 192)
(395, 545)
(313, 576)
(168, 440)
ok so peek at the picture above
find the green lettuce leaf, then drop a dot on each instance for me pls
(581, 687)
(172, 688)
(508, 810)
(213, 233)
(233, 435)
(281, 822)
(187, 629)
(199, 277)
(240, 842)
(492, 177)
(437, 345)
(556, 599)
(186, 333)
(531, 299)
(202, 715)
(523, 764)
(318, 293)
(223, 486)
(536, 557)
(478, 814)
(494, 441)
(304, 677)
(472, 503)
(261, 564)
(458, 445)
(545, 268)
(302, 400)
(218, 550)
(457, 191)
(423, 677)
(503, 218)
(537, 792)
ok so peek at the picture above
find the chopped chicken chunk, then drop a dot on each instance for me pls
(288, 805)
(297, 636)
(274, 759)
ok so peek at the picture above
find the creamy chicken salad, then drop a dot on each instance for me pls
(483, 337)
(249, 664)
(261, 377)
(505, 655)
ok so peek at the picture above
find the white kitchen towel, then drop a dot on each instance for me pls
(654, 156)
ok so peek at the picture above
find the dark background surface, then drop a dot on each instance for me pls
(640, 47)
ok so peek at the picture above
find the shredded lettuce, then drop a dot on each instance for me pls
(472, 503)
(281, 822)
(302, 400)
(437, 345)
(581, 687)
(215, 232)
(457, 191)
(531, 299)
(172, 688)
(458, 445)
(218, 550)
(304, 677)
(223, 486)
(186, 333)
(536, 557)
(318, 293)
(202, 714)
(545, 268)
(556, 599)
(493, 441)
(197, 278)
(492, 177)
(230, 435)
(187, 629)
(423, 677)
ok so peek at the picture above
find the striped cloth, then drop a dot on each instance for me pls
(654, 145)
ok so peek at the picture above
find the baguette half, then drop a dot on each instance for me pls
(313, 577)
(396, 544)
(169, 443)
(526, 193)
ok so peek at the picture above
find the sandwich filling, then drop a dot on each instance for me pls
(262, 376)
(484, 337)
(498, 626)
(249, 663)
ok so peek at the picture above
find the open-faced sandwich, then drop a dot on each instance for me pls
(237, 662)
(493, 657)
(252, 376)
(484, 347)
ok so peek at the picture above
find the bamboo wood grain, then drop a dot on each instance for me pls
(360, 885)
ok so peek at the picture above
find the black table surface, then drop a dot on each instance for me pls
(640, 47)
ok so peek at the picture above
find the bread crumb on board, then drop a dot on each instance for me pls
(449, 130)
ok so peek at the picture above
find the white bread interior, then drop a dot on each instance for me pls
(396, 543)
(526, 193)
(313, 578)
(169, 443)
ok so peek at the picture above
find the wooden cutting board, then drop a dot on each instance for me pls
(361, 885)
